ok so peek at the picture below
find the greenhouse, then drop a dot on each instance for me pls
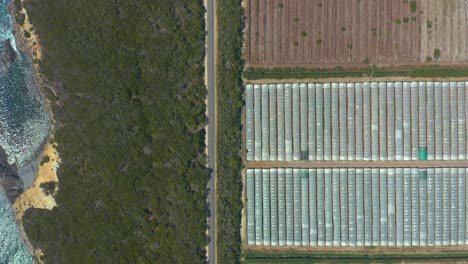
(356, 121)
(356, 207)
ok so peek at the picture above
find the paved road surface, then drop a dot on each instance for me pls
(211, 254)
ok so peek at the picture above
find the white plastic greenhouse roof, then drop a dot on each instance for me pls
(356, 121)
(357, 207)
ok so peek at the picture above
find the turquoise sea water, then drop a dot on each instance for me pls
(24, 125)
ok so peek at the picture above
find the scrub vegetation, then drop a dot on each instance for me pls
(229, 92)
(48, 188)
(413, 6)
(130, 115)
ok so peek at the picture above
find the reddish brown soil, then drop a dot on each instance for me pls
(287, 32)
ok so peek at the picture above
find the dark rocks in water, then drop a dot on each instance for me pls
(7, 56)
(11, 183)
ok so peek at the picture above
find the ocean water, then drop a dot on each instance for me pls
(24, 123)
(24, 126)
(12, 248)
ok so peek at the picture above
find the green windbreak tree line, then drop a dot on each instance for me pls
(130, 116)
(229, 92)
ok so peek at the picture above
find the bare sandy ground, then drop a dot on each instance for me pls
(34, 196)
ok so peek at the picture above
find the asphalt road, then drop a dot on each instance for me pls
(210, 38)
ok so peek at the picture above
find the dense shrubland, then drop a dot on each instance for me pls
(130, 114)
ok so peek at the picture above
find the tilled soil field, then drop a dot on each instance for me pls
(356, 32)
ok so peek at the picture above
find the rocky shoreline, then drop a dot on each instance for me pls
(10, 177)
(10, 181)
(7, 57)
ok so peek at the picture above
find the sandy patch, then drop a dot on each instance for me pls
(35, 196)
(33, 44)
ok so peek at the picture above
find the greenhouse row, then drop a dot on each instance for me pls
(356, 121)
(357, 207)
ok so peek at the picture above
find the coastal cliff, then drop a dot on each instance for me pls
(7, 56)
(11, 183)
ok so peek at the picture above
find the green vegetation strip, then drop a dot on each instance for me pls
(338, 72)
(413, 6)
(229, 92)
(131, 113)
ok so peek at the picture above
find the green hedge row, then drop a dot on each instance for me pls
(338, 72)
(229, 89)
